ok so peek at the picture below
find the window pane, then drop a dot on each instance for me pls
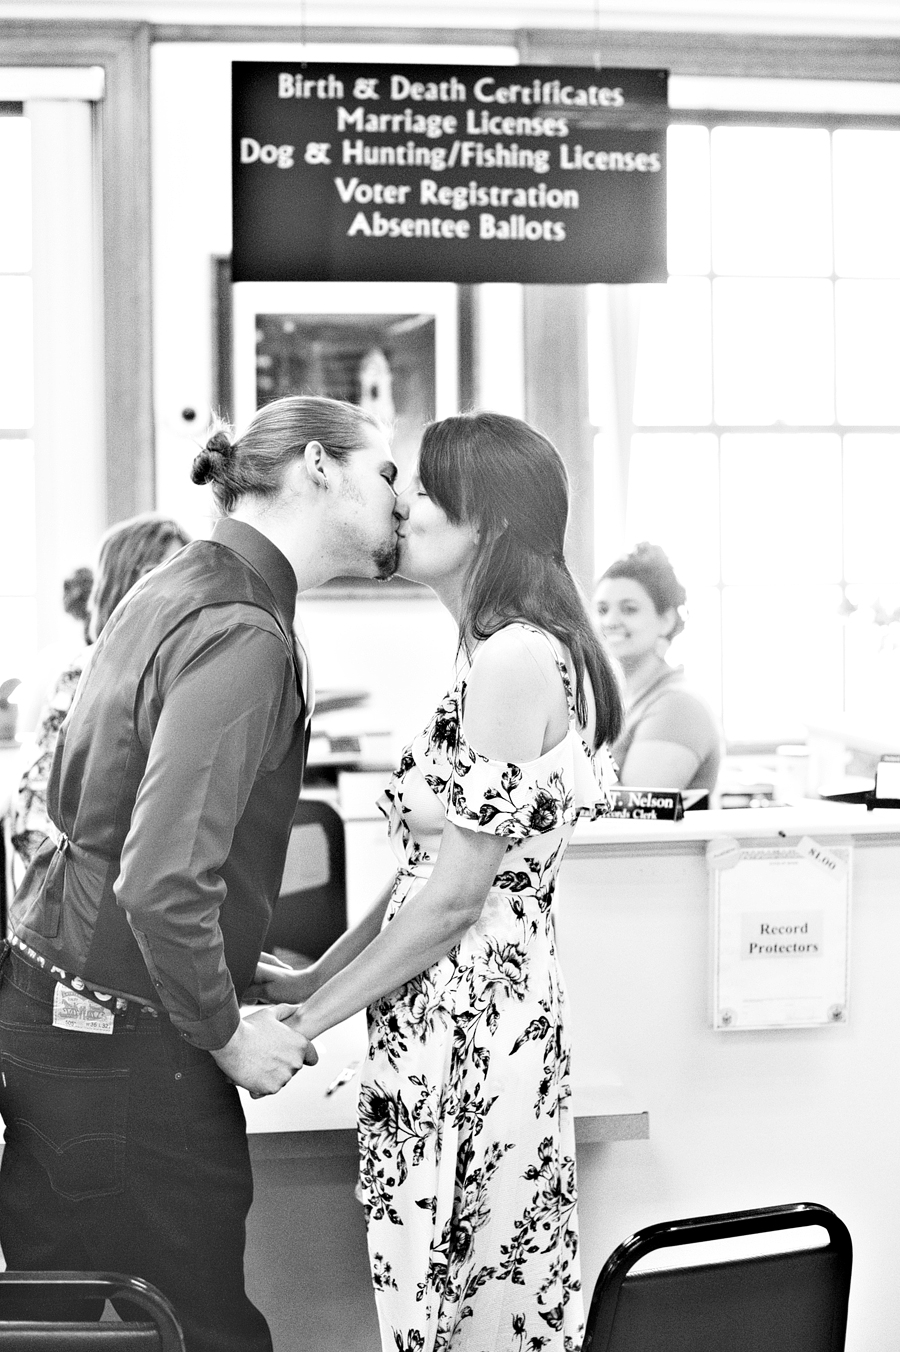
(781, 508)
(672, 381)
(15, 193)
(771, 201)
(17, 518)
(773, 351)
(872, 667)
(688, 199)
(782, 659)
(868, 352)
(871, 498)
(673, 500)
(18, 636)
(867, 203)
(16, 359)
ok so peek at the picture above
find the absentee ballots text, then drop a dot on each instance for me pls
(448, 173)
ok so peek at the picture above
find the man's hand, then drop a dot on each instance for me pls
(275, 982)
(266, 1050)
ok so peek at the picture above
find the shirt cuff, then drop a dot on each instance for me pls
(211, 1034)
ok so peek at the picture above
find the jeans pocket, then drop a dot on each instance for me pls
(72, 1120)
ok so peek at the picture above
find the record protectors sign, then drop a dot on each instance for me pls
(780, 921)
(448, 173)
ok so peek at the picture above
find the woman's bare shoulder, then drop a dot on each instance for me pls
(510, 694)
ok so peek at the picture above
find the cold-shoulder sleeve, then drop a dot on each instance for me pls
(522, 800)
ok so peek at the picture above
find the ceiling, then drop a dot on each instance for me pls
(838, 17)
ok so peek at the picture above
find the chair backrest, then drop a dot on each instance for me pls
(311, 911)
(36, 1292)
(781, 1302)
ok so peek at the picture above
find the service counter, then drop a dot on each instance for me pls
(672, 1118)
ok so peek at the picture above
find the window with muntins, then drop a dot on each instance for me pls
(765, 452)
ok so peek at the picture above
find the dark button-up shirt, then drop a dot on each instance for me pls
(174, 784)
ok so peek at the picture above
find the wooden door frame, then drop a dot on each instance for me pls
(123, 121)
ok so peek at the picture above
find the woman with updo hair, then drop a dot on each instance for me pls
(670, 739)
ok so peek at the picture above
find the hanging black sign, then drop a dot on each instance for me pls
(448, 173)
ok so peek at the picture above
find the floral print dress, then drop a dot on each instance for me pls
(466, 1136)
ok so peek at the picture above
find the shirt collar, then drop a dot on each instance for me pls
(267, 560)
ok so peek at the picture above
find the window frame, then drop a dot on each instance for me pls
(831, 122)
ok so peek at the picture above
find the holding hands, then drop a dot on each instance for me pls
(276, 982)
(266, 1050)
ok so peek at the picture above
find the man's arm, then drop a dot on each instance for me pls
(217, 721)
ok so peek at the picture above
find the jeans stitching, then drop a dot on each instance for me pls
(111, 1166)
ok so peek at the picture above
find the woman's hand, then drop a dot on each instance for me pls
(276, 983)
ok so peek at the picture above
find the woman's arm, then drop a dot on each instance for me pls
(513, 689)
(670, 742)
(654, 764)
(276, 982)
(422, 932)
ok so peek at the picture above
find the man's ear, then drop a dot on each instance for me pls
(315, 459)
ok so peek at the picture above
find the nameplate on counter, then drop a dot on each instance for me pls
(649, 805)
(781, 919)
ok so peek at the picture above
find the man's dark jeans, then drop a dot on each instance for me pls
(125, 1152)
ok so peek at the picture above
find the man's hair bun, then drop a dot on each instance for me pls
(209, 463)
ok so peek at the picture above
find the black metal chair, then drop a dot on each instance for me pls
(311, 911)
(781, 1302)
(43, 1291)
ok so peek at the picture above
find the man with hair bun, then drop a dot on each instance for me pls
(139, 925)
(670, 739)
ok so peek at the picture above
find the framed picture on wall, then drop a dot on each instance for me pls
(392, 348)
(404, 350)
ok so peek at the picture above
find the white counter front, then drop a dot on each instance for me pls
(737, 1118)
(315, 1114)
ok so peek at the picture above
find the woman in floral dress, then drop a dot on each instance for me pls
(466, 1136)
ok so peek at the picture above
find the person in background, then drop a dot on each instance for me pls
(76, 594)
(172, 792)
(128, 551)
(670, 739)
(39, 683)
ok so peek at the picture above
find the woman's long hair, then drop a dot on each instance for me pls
(128, 550)
(509, 481)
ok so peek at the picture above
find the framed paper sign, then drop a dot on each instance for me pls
(780, 933)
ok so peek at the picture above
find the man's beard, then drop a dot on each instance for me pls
(385, 560)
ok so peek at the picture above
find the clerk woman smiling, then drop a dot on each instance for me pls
(670, 739)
